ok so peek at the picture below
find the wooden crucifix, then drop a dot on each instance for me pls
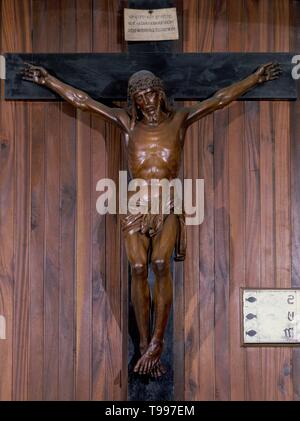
(154, 134)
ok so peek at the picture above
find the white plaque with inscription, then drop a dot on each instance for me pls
(271, 316)
(150, 25)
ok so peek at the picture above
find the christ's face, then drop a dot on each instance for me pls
(148, 101)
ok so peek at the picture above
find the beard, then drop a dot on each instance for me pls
(152, 116)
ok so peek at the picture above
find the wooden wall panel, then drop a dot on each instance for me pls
(282, 139)
(67, 302)
(254, 228)
(7, 207)
(51, 252)
(62, 289)
(37, 233)
(113, 359)
(83, 223)
(63, 316)
(21, 218)
(52, 220)
(237, 185)
(221, 222)
(206, 233)
(99, 155)
(36, 256)
(178, 278)
(252, 201)
(267, 220)
(191, 264)
(295, 190)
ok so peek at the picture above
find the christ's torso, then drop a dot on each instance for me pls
(154, 152)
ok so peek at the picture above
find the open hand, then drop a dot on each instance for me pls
(35, 74)
(269, 71)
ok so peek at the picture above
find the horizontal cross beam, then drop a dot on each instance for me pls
(187, 76)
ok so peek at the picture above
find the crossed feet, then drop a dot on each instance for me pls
(150, 363)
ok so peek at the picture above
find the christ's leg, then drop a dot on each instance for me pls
(163, 245)
(137, 250)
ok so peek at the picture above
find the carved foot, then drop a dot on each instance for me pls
(150, 359)
(158, 371)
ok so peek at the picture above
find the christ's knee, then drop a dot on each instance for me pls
(161, 267)
(139, 270)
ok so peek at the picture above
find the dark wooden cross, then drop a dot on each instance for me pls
(189, 76)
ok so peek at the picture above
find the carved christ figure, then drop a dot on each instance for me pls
(154, 134)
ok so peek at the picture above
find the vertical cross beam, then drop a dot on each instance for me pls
(169, 388)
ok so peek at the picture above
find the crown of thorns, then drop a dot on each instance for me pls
(142, 80)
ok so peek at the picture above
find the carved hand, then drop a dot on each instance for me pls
(35, 74)
(269, 71)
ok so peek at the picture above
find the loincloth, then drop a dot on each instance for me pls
(152, 224)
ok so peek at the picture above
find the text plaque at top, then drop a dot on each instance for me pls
(271, 316)
(150, 25)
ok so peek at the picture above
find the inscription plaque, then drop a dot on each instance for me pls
(271, 316)
(150, 25)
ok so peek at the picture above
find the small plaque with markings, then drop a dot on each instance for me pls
(271, 316)
(150, 25)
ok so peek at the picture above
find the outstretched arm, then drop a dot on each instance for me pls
(76, 97)
(226, 95)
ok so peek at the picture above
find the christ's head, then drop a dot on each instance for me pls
(148, 97)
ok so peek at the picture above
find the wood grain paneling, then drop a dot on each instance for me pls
(36, 256)
(191, 264)
(282, 139)
(237, 207)
(267, 184)
(178, 278)
(63, 271)
(221, 222)
(252, 200)
(52, 220)
(37, 233)
(67, 253)
(67, 219)
(295, 189)
(99, 155)
(83, 223)
(22, 16)
(7, 209)
(206, 234)
(113, 360)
